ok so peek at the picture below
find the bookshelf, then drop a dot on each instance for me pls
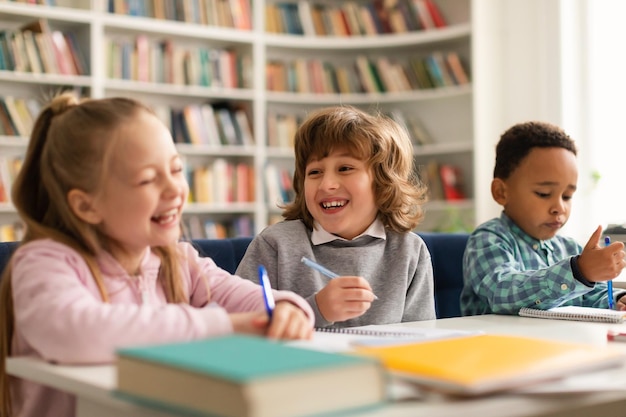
(445, 112)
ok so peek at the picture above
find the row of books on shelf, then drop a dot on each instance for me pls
(35, 48)
(17, 115)
(351, 18)
(196, 227)
(282, 127)
(367, 75)
(162, 61)
(208, 124)
(40, 2)
(413, 125)
(9, 167)
(235, 14)
(221, 181)
(444, 181)
(279, 185)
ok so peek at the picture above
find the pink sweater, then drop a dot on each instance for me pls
(60, 317)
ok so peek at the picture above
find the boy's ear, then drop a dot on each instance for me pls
(82, 205)
(498, 191)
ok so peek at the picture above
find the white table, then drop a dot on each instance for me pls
(93, 385)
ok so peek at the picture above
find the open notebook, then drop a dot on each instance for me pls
(346, 339)
(600, 315)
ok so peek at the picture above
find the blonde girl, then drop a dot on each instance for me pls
(101, 192)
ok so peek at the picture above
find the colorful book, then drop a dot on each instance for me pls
(451, 181)
(239, 376)
(487, 363)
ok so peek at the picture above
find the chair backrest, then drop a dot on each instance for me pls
(226, 253)
(6, 249)
(446, 251)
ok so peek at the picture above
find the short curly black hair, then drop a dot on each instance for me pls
(520, 139)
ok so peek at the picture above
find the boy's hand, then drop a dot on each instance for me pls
(344, 298)
(598, 263)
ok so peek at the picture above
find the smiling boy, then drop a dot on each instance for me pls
(357, 201)
(518, 260)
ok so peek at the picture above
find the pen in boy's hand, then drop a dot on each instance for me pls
(268, 297)
(319, 268)
(609, 283)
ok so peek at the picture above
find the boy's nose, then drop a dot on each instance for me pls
(329, 181)
(558, 206)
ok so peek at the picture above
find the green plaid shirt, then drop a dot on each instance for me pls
(504, 270)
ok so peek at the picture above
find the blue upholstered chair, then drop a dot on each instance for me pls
(6, 249)
(446, 251)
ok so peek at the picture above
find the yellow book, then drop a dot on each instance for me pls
(486, 363)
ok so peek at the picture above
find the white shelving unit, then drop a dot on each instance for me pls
(446, 112)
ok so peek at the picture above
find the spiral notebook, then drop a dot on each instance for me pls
(345, 339)
(598, 315)
(378, 331)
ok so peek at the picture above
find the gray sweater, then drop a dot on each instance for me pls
(398, 269)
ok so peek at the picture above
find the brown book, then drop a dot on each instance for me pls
(39, 48)
(46, 53)
(456, 68)
(433, 180)
(8, 127)
(351, 12)
(32, 52)
(318, 20)
(20, 128)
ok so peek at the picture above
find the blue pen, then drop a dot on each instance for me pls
(609, 284)
(268, 297)
(319, 268)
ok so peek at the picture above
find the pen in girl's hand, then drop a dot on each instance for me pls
(319, 268)
(268, 297)
(609, 283)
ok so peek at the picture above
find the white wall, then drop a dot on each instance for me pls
(523, 70)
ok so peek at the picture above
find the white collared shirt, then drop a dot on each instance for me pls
(321, 236)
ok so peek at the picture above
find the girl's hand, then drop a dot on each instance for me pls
(289, 322)
(254, 323)
(344, 298)
(621, 303)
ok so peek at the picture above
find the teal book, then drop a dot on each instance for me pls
(246, 376)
